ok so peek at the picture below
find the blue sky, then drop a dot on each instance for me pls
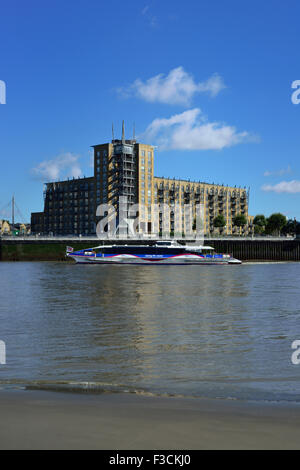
(209, 83)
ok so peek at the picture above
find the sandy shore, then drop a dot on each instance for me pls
(51, 420)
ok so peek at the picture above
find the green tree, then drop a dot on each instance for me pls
(275, 223)
(290, 227)
(260, 220)
(239, 220)
(259, 223)
(220, 222)
(258, 229)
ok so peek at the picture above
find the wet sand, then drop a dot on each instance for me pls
(52, 420)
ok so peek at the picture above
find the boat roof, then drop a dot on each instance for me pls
(199, 247)
(187, 247)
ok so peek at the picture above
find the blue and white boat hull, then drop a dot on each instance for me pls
(181, 259)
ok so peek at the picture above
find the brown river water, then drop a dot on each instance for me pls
(198, 331)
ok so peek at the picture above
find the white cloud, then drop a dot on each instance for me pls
(145, 9)
(178, 87)
(63, 166)
(291, 187)
(190, 130)
(152, 20)
(281, 172)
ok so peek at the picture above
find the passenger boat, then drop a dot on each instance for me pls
(160, 253)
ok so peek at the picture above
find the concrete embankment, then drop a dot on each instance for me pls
(34, 249)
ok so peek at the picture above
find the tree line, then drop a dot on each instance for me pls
(276, 224)
(238, 221)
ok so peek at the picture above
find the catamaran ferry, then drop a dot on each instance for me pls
(161, 253)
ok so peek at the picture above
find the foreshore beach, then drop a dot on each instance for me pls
(53, 420)
(149, 359)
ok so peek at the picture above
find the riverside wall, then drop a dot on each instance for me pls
(259, 250)
(35, 249)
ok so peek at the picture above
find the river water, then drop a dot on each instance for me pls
(202, 331)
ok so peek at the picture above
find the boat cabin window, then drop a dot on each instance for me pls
(141, 250)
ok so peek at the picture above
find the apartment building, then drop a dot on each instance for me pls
(125, 168)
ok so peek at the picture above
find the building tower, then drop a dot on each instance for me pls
(124, 168)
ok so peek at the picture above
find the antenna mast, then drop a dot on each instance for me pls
(123, 133)
(13, 211)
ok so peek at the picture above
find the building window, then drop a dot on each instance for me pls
(143, 153)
